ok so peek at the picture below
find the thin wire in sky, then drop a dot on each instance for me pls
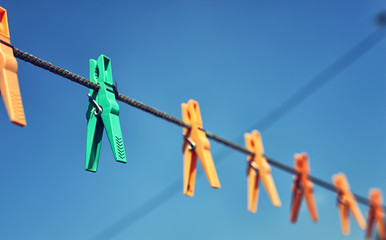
(263, 124)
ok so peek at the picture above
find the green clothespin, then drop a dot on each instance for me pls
(102, 112)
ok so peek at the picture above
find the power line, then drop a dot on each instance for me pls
(321, 79)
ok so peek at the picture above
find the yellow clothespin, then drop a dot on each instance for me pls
(9, 85)
(196, 144)
(258, 167)
(347, 203)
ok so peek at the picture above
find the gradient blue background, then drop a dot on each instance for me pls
(239, 60)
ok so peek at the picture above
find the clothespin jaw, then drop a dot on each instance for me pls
(346, 204)
(102, 112)
(376, 215)
(258, 168)
(9, 84)
(302, 186)
(196, 144)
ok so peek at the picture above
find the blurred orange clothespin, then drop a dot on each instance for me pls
(9, 85)
(376, 214)
(258, 167)
(196, 144)
(302, 186)
(346, 203)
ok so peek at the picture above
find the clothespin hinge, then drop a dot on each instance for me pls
(97, 109)
(192, 144)
(253, 165)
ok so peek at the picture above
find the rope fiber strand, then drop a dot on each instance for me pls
(139, 105)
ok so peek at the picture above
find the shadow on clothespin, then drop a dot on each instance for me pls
(375, 215)
(9, 85)
(258, 168)
(347, 203)
(102, 112)
(302, 186)
(196, 144)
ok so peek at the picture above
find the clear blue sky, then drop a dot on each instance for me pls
(239, 60)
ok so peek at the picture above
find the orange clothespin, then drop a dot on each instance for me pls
(196, 144)
(346, 203)
(258, 167)
(376, 214)
(302, 186)
(9, 85)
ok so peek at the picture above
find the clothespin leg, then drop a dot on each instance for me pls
(94, 142)
(114, 133)
(310, 200)
(190, 166)
(253, 189)
(190, 157)
(370, 225)
(381, 228)
(94, 127)
(358, 216)
(206, 160)
(344, 218)
(269, 185)
(295, 206)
